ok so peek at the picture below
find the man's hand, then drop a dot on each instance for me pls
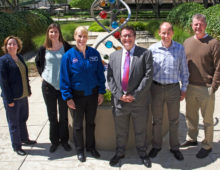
(182, 95)
(127, 98)
(71, 104)
(211, 91)
(100, 99)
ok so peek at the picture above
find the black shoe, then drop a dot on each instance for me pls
(203, 153)
(94, 153)
(146, 161)
(81, 157)
(53, 148)
(177, 154)
(66, 147)
(115, 159)
(188, 143)
(20, 152)
(154, 151)
(29, 142)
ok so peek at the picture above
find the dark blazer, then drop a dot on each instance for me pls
(10, 78)
(40, 57)
(140, 78)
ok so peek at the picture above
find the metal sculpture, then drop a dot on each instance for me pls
(115, 24)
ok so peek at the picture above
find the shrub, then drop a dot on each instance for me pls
(153, 26)
(213, 21)
(25, 24)
(138, 26)
(107, 96)
(179, 36)
(182, 14)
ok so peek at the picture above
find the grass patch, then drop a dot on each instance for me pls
(67, 28)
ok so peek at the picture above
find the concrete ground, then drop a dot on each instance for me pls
(39, 157)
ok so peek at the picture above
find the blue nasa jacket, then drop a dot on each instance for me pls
(81, 74)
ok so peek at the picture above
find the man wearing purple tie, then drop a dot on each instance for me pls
(129, 77)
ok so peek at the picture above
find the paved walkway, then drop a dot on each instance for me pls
(39, 156)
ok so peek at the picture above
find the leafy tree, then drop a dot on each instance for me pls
(83, 4)
(60, 1)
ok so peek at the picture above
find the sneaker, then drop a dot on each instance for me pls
(188, 143)
(29, 142)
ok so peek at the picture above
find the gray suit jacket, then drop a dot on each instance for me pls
(140, 78)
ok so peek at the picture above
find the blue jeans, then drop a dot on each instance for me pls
(17, 117)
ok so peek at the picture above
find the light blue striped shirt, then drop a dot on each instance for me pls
(170, 65)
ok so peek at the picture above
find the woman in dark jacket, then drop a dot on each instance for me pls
(15, 88)
(48, 64)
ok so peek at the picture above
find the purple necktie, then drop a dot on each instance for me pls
(126, 72)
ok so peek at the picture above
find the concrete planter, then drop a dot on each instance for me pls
(105, 130)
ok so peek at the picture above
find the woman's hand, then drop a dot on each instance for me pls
(100, 99)
(11, 104)
(71, 104)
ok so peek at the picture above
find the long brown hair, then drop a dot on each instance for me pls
(48, 42)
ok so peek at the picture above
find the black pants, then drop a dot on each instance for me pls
(85, 105)
(58, 129)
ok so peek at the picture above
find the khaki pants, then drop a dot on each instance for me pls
(197, 97)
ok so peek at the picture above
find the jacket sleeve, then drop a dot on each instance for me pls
(101, 76)
(216, 57)
(4, 82)
(147, 79)
(65, 81)
(111, 80)
(40, 60)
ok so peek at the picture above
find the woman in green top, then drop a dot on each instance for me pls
(15, 88)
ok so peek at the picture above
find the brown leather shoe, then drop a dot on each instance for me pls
(115, 159)
(154, 151)
(146, 161)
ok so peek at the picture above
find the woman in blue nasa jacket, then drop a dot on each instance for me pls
(15, 88)
(82, 84)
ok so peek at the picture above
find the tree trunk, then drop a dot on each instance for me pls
(205, 2)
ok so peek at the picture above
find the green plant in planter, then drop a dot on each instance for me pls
(107, 96)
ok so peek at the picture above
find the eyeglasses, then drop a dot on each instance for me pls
(127, 35)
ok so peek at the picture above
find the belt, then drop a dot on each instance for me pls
(81, 93)
(165, 85)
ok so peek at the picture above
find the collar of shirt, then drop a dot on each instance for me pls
(160, 45)
(131, 51)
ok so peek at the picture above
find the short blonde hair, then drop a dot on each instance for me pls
(18, 41)
(81, 29)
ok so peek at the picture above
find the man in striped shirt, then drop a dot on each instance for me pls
(170, 68)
